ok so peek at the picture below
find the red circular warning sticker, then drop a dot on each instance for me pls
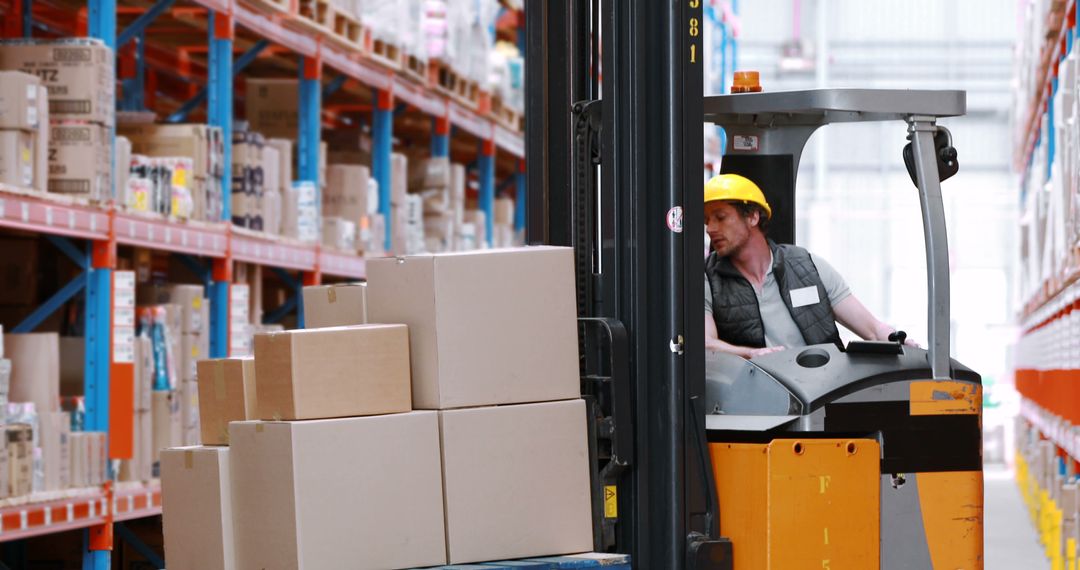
(674, 219)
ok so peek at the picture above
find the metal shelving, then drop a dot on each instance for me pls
(105, 228)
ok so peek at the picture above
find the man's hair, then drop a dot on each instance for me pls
(747, 209)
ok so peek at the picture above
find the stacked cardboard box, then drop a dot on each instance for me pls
(169, 158)
(190, 340)
(344, 205)
(492, 414)
(24, 132)
(272, 106)
(247, 179)
(79, 77)
(300, 213)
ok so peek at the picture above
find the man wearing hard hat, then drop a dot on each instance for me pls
(760, 296)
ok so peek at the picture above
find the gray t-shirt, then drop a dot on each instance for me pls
(780, 328)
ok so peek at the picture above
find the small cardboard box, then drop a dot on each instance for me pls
(345, 194)
(55, 448)
(78, 73)
(460, 309)
(516, 481)
(335, 305)
(361, 493)
(285, 158)
(196, 509)
(20, 451)
(17, 158)
(272, 107)
(80, 160)
(339, 234)
(167, 424)
(19, 101)
(332, 372)
(35, 369)
(226, 394)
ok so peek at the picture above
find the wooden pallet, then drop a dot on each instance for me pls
(446, 80)
(347, 31)
(414, 68)
(272, 6)
(319, 12)
(385, 53)
(507, 117)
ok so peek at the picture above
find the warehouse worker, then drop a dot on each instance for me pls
(762, 297)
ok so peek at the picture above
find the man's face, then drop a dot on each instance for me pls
(728, 231)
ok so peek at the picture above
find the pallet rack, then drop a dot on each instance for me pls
(177, 67)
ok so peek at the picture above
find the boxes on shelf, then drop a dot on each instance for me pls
(80, 160)
(490, 454)
(228, 393)
(156, 167)
(271, 106)
(20, 452)
(167, 425)
(17, 150)
(79, 74)
(196, 502)
(321, 493)
(56, 449)
(335, 305)
(88, 458)
(346, 192)
(247, 179)
(300, 213)
(19, 109)
(458, 308)
(339, 234)
(333, 372)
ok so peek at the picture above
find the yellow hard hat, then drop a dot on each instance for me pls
(736, 188)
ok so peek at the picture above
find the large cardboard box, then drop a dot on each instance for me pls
(516, 481)
(167, 424)
(226, 394)
(461, 309)
(285, 158)
(360, 493)
(333, 372)
(335, 305)
(19, 101)
(196, 509)
(78, 74)
(80, 160)
(345, 194)
(17, 158)
(272, 106)
(35, 369)
(55, 449)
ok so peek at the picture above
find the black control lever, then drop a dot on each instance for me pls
(898, 337)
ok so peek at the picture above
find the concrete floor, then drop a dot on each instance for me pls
(1010, 539)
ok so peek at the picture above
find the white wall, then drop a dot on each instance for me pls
(865, 218)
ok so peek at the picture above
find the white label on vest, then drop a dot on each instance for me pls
(805, 296)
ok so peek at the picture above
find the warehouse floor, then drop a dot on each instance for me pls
(1011, 542)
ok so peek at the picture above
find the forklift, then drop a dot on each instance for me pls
(826, 457)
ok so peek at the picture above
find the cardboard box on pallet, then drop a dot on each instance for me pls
(227, 393)
(490, 455)
(272, 106)
(459, 308)
(77, 72)
(80, 160)
(335, 305)
(319, 494)
(333, 372)
(197, 508)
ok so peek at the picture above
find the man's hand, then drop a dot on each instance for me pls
(756, 352)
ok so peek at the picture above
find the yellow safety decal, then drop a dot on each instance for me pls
(611, 502)
(944, 397)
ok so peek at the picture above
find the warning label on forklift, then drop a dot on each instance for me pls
(611, 502)
(745, 142)
(674, 219)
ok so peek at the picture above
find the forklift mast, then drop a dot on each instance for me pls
(614, 147)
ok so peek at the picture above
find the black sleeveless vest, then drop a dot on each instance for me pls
(735, 307)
